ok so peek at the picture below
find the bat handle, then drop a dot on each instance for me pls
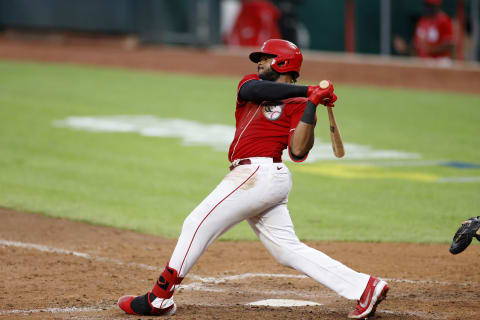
(332, 120)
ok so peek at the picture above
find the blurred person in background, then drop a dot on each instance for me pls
(291, 27)
(434, 34)
(288, 20)
(256, 22)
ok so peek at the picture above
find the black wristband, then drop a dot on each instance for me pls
(309, 113)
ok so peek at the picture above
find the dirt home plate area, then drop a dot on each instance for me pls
(60, 269)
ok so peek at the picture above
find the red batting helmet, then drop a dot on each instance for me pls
(433, 2)
(287, 55)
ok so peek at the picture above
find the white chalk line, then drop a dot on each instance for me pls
(205, 283)
(296, 276)
(206, 280)
(56, 310)
(195, 286)
(245, 276)
(87, 256)
(198, 286)
(423, 315)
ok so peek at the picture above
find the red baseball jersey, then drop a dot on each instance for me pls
(264, 129)
(256, 22)
(433, 31)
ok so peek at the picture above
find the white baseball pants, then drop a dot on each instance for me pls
(258, 192)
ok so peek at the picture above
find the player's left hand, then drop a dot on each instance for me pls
(325, 96)
(464, 235)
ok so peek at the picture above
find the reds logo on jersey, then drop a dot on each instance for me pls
(272, 110)
(429, 34)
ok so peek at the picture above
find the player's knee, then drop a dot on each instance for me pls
(283, 257)
(282, 243)
(191, 223)
(285, 252)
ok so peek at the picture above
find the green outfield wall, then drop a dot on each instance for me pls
(180, 21)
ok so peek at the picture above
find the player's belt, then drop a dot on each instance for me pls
(240, 162)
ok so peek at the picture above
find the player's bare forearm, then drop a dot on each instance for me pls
(441, 48)
(302, 140)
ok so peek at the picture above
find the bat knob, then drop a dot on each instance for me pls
(324, 84)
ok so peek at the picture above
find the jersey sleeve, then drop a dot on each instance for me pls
(446, 29)
(248, 77)
(296, 115)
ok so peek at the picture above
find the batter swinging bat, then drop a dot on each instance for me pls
(337, 143)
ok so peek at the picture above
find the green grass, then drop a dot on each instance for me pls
(151, 184)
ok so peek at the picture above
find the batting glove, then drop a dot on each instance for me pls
(322, 96)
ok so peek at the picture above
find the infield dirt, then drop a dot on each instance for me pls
(59, 269)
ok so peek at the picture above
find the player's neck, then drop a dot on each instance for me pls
(285, 78)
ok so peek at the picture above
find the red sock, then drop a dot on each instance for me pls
(164, 286)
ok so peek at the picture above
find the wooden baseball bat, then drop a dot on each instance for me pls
(337, 143)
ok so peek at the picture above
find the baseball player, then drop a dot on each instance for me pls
(434, 34)
(272, 114)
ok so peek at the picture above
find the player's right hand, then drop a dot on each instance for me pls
(325, 96)
(330, 102)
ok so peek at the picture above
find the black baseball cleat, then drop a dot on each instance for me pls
(147, 305)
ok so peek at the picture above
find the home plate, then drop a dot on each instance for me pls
(283, 303)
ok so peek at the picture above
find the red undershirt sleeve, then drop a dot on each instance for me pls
(248, 77)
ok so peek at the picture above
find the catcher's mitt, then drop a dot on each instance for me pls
(463, 236)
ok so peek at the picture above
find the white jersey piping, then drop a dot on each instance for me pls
(234, 147)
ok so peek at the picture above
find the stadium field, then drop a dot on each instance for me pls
(100, 166)
(410, 173)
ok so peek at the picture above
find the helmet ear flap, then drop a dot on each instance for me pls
(278, 64)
